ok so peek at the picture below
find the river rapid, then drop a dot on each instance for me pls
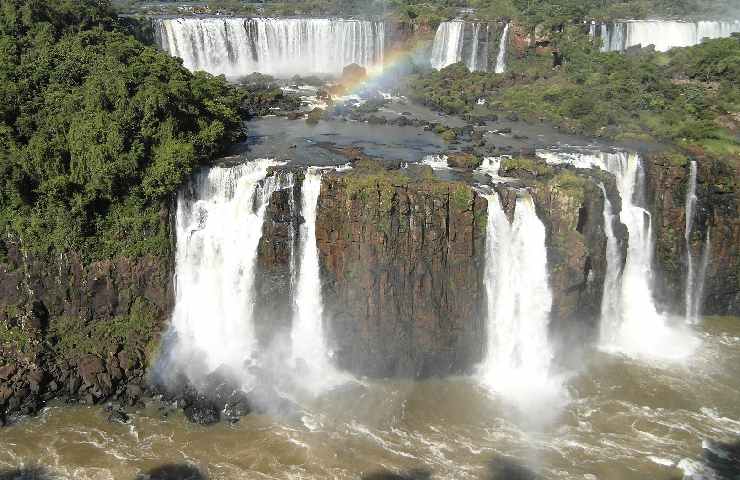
(623, 419)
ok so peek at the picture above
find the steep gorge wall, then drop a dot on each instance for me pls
(402, 266)
(717, 215)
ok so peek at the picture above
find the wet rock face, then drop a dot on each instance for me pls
(717, 216)
(402, 265)
(277, 250)
(70, 329)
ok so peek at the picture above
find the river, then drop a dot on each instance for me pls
(624, 419)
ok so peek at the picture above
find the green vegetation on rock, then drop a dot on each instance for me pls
(688, 96)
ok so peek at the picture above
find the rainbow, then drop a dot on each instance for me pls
(392, 62)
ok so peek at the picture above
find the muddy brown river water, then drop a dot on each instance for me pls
(624, 419)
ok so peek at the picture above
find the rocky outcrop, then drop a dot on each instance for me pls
(85, 332)
(402, 262)
(717, 217)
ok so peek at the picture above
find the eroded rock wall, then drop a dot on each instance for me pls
(717, 216)
(79, 331)
(402, 269)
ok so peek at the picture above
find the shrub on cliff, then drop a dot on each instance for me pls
(97, 130)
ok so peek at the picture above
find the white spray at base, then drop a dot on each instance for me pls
(633, 325)
(519, 299)
(501, 58)
(310, 355)
(218, 228)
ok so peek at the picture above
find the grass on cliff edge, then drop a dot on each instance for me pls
(370, 176)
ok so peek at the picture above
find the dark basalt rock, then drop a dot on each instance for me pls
(717, 218)
(202, 412)
(61, 290)
(117, 415)
(402, 262)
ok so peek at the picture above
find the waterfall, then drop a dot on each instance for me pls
(518, 353)
(610, 301)
(634, 325)
(664, 34)
(281, 47)
(699, 279)
(472, 62)
(309, 350)
(218, 229)
(460, 41)
(690, 280)
(490, 166)
(448, 44)
(501, 58)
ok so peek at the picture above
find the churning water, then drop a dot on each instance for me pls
(626, 421)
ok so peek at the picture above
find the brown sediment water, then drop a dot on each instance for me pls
(626, 419)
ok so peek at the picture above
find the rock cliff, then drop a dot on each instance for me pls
(717, 217)
(402, 263)
(85, 332)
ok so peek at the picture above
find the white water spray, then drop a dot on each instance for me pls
(218, 228)
(501, 58)
(310, 354)
(519, 299)
(634, 327)
(448, 44)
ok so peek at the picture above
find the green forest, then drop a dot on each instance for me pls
(97, 130)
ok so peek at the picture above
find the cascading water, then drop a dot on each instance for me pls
(309, 347)
(490, 166)
(472, 61)
(610, 302)
(637, 328)
(460, 41)
(519, 299)
(501, 58)
(437, 162)
(690, 280)
(280, 47)
(448, 44)
(219, 226)
(664, 34)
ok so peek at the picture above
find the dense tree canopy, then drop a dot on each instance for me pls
(97, 129)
